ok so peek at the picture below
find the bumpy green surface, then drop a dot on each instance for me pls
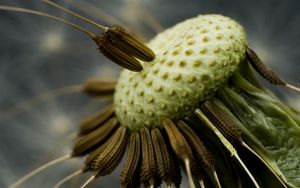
(192, 60)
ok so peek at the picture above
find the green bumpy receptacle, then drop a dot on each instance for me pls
(193, 59)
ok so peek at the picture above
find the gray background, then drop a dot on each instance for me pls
(32, 64)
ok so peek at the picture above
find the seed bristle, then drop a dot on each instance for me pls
(129, 44)
(218, 117)
(149, 166)
(112, 155)
(86, 143)
(129, 174)
(95, 120)
(262, 69)
(168, 168)
(99, 87)
(115, 54)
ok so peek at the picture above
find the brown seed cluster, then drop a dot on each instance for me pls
(153, 155)
(123, 48)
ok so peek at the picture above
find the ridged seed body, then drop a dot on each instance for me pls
(193, 59)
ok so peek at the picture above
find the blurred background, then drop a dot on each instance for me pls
(40, 58)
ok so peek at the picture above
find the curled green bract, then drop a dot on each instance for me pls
(270, 126)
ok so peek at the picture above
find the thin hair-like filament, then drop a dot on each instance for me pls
(103, 28)
(38, 13)
(67, 178)
(90, 180)
(36, 100)
(39, 169)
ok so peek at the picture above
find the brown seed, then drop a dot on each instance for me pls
(130, 172)
(94, 154)
(86, 143)
(262, 69)
(202, 155)
(99, 87)
(116, 55)
(149, 166)
(200, 151)
(95, 120)
(222, 121)
(177, 141)
(129, 44)
(181, 147)
(112, 155)
(168, 167)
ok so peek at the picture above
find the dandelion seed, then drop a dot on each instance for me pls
(115, 43)
(265, 71)
(129, 174)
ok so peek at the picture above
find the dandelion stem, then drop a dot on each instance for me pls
(247, 171)
(39, 169)
(293, 87)
(201, 183)
(67, 178)
(189, 173)
(217, 179)
(88, 181)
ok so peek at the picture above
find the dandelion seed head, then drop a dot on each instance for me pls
(187, 91)
(258, 17)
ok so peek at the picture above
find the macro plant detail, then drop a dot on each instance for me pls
(193, 103)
